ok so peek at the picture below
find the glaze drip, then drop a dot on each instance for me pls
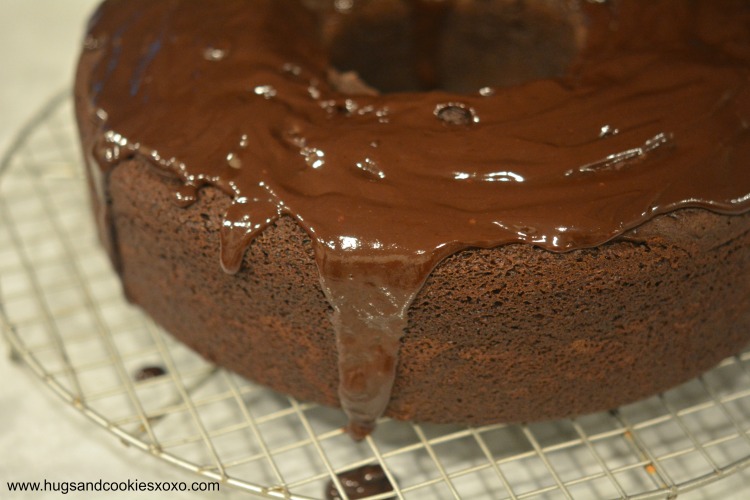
(369, 318)
(646, 121)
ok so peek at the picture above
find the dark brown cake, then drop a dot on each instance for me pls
(625, 287)
(509, 334)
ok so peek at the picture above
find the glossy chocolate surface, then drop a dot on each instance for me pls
(652, 115)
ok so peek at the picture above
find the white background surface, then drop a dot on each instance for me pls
(40, 437)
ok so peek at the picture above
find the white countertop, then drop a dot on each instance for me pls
(41, 437)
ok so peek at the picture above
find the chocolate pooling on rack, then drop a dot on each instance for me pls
(642, 122)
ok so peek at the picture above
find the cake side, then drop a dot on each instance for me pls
(509, 334)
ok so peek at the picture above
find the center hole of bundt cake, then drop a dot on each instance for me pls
(453, 45)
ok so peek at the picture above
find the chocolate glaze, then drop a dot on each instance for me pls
(652, 116)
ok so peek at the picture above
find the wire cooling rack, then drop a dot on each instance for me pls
(65, 317)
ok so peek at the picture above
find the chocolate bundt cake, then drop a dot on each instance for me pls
(447, 211)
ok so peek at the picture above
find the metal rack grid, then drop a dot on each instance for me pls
(64, 316)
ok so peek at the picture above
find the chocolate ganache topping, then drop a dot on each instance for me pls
(651, 115)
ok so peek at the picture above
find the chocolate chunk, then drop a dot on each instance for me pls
(363, 482)
(148, 372)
